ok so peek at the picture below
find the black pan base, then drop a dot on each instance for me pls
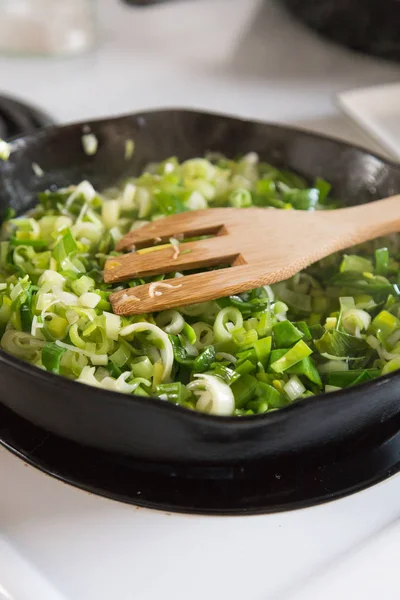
(253, 489)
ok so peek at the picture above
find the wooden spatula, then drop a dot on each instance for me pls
(261, 246)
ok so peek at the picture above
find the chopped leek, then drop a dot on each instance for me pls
(51, 357)
(291, 357)
(5, 150)
(335, 325)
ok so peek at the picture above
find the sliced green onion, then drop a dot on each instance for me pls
(51, 357)
(385, 324)
(243, 389)
(204, 361)
(307, 368)
(291, 357)
(294, 388)
(166, 350)
(381, 261)
(286, 334)
(90, 144)
(356, 263)
(171, 321)
(173, 392)
(129, 149)
(333, 326)
(226, 321)
(113, 325)
(332, 388)
(263, 349)
(214, 396)
(5, 150)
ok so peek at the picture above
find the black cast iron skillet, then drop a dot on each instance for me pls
(150, 429)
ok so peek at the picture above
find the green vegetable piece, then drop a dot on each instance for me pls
(352, 262)
(82, 285)
(303, 327)
(338, 343)
(25, 310)
(258, 406)
(271, 396)
(295, 300)
(245, 338)
(5, 150)
(115, 371)
(38, 244)
(250, 355)
(26, 317)
(204, 360)
(168, 204)
(286, 334)
(365, 376)
(314, 319)
(266, 187)
(9, 213)
(384, 324)
(173, 392)
(241, 412)
(180, 353)
(363, 283)
(316, 331)
(243, 389)
(381, 261)
(263, 349)
(245, 367)
(391, 366)
(140, 366)
(291, 179)
(292, 356)
(141, 392)
(346, 378)
(49, 200)
(254, 304)
(320, 304)
(276, 355)
(51, 357)
(56, 327)
(307, 368)
(302, 199)
(189, 333)
(120, 357)
(323, 188)
(240, 198)
(65, 246)
(229, 376)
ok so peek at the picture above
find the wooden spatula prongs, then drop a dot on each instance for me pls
(186, 224)
(192, 255)
(259, 246)
(151, 297)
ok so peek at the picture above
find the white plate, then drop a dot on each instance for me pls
(377, 111)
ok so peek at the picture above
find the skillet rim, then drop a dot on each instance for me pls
(157, 403)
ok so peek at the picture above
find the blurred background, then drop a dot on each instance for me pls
(275, 60)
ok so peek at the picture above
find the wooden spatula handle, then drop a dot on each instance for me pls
(368, 221)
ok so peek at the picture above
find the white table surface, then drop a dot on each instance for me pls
(59, 543)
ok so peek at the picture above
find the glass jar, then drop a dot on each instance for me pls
(47, 27)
